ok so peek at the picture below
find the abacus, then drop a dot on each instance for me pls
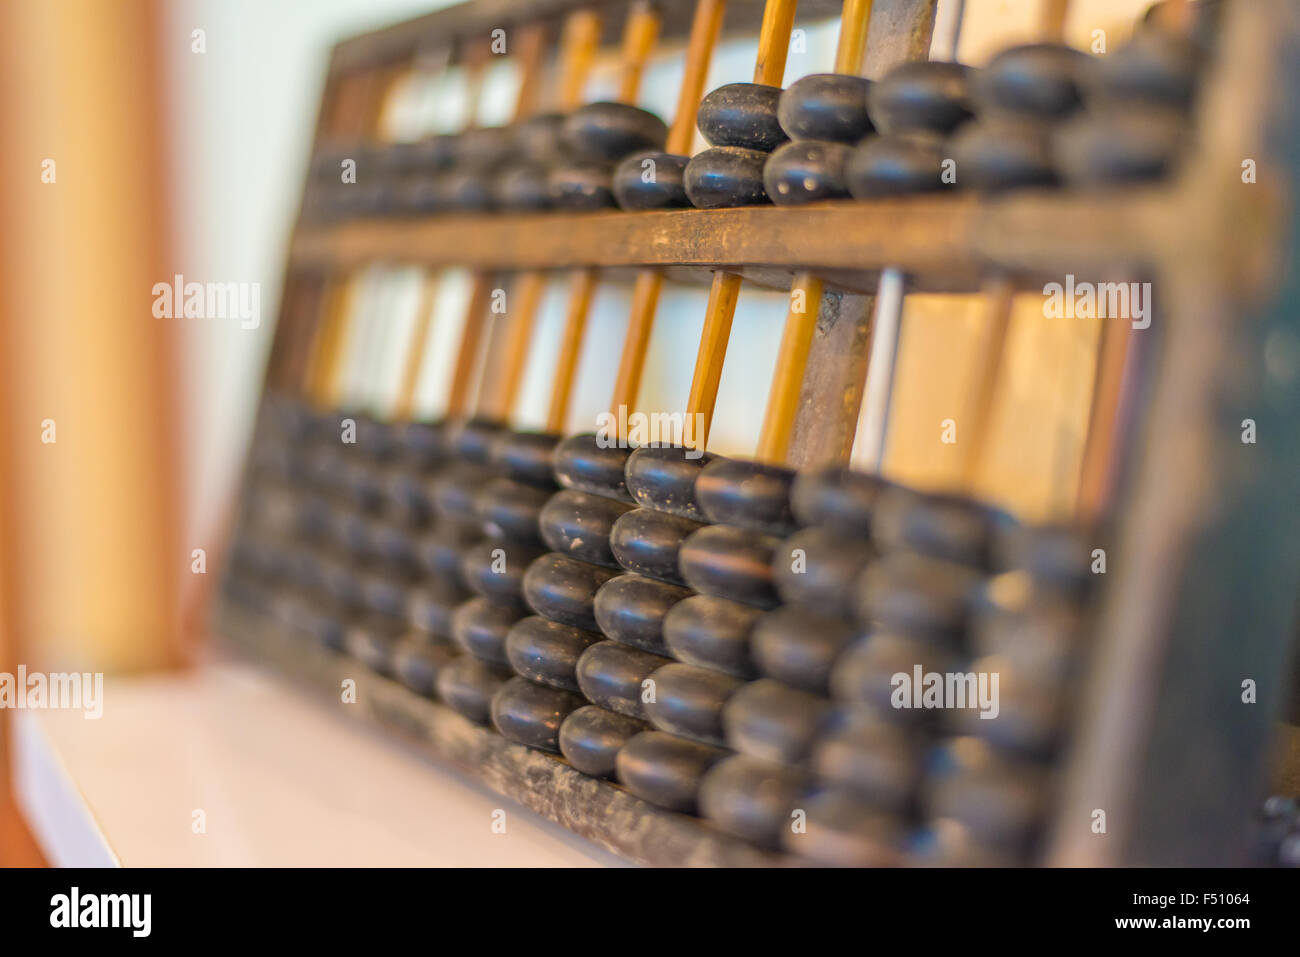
(691, 658)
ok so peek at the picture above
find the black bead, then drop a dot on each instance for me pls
(472, 441)
(729, 562)
(465, 190)
(913, 593)
(632, 610)
(826, 106)
(467, 686)
(726, 176)
(480, 627)
(798, 646)
(538, 139)
(579, 525)
(1003, 153)
(371, 641)
(496, 569)
(526, 456)
(547, 652)
(665, 770)
(610, 131)
(748, 494)
(1120, 145)
(838, 497)
(877, 760)
(999, 801)
(650, 180)
(521, 187)
(664, 477)
(1056, 557)
(927, 95)
(743, 115)
(806, 171)
(582, 462)
(1038, 79)
(509, 509)
(429, 608)
(531, 714)
(439, 551)
(481, 147)
(842, 831)
(751, 799)
(899, 165)
(591, 737)
(612, 675)
(1154, 67)
(767, 720)
(581, 185)
(863, 675)
(817, 568)
(712, 633)
(417, 665)
(946, 526)
(688, 701)
(564, 590)
(647, 542)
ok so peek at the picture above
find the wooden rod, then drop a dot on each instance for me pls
(578, 53)
(705, 29)
(774, 41)
(1052, 21)
(581, 290)
(405, 404)
(792, 360)
(521, 320)
(721, 309)
(639, 38)
(645, 299)
(531, 53)
(1113, 357)
(855, 16)
(467, 353)
(999, 301)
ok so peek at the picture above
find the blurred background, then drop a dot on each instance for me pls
(145, 139)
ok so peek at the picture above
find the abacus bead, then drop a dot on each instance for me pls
(632, 610)
(439, 551)
(609, 131)
(480, 627)
(1037, 79)
(521, 186)
(591, 737)
(496, 569)
(921, 95)
(751, 799)
(841, 831)
(1057, 557)
(688, 701)
(1152, 67)
(611, 675)
(663, 478)
(539, 137)
(430, 608)
(484, 146)
(743, 115)
(650, 180)
(817, 568)
(526, 456)
(877, 760)
(383, 596)
(465, 190)
(510, 510)
(1003, 153)
(945, 526)
(467, 685)
(863, 675)
(371, 641)
(826, 106)
(665, 770)
(421, 445)
(1121, 144)
(417, 665)
(647, 542)
(394, 549)
(798, 646)
(531, 714)
(579, 524)
(547, 652)
(998, 801)
(838, 497)
(581, 185)
(564, 590)
(474, 440)
(712, 633)
(897, 166)
(749, 494)
(732, 563)
(582, 462)
(806, 171)
(1030, 709)
(455, 489)
(726, 176)
(769, 721)
(913, 593)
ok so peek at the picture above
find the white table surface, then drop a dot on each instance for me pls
(281, 781)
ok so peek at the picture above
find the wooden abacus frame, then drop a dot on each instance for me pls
(1200, 592)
